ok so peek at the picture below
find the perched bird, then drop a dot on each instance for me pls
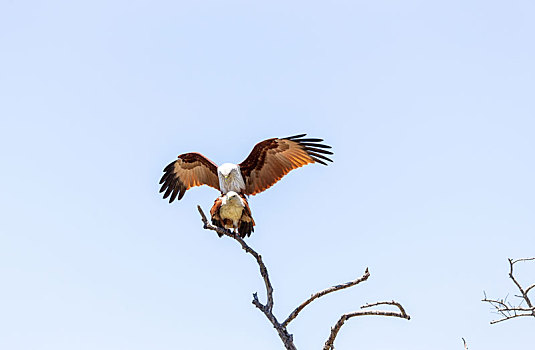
(231, 211)
(267, 163)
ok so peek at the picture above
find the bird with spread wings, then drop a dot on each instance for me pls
(267, 163)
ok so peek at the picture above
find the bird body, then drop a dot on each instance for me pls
(231, 211)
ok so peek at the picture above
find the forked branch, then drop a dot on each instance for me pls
(296, 312)
(267, 309)
(505, 309)
(329, 344)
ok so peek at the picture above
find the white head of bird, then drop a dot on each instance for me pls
(230, 178)
(233, 198)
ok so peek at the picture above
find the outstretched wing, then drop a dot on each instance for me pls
(271, 159)
(189, 170)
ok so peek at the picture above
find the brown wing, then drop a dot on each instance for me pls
(246, 221)
(189, 170)
(271, 159)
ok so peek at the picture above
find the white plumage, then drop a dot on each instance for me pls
(230, 178)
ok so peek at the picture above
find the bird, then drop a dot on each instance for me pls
(231, 211)
(267, 163)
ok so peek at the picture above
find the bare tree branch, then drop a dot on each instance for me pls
(517, 309)
(530, 288)
(286, 337)
(395, 303)
(507, 310)
(329, 344)
(523, 259)
(509, 317)
(267, 309)
(258, 257)
(314, 296)
(465, 344)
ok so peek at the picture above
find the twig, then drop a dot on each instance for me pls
(296, 312)
(395, 303)
(508, 318)
(329, 344)
(523, 259)
(530, 288)
(517, 309)
(465, 344)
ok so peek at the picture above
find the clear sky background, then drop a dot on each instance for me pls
(429, 107)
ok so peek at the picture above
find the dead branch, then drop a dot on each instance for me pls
(505, 309)
(286, 337)
(296, 312)
(329, 344)
(267, 309)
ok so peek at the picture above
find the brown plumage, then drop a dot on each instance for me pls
(189, 170)
(231, 211)
(267, 163)
(271, 159)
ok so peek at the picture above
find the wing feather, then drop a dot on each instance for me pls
(273, 158)
(189, 170)
(316, 155)
(318, 150)
(314, 145)
(295, 136)
(246, 221)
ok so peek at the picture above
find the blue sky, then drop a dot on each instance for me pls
(428, 106)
